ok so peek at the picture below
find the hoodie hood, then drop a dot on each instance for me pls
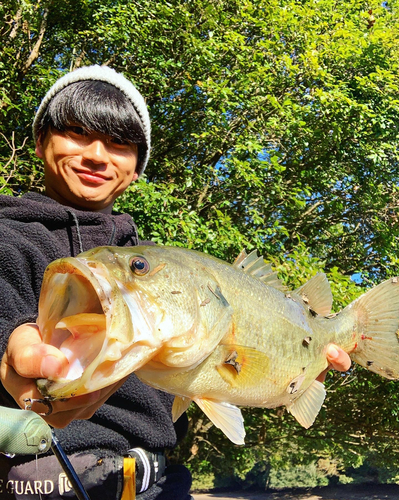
(85, 229)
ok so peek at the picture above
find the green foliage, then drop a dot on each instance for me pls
(162, 212)
(302, 476)
(278, 120)
(274, 127)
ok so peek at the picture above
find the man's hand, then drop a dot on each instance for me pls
(338, 360)
(26, 359)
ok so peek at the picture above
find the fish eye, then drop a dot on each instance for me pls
(139, 266)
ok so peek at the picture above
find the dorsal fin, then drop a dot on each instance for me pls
(255, 266)
(316, 293)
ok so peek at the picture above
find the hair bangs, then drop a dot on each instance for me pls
(98, 107)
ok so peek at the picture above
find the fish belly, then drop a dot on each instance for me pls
(263, 363)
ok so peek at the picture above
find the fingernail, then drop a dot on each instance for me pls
(50, 366)
(333, 352)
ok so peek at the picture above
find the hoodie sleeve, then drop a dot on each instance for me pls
(21, 272)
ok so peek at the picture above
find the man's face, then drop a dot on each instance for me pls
(87, 171)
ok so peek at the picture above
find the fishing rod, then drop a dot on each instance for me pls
(24, 432)
(70, 472)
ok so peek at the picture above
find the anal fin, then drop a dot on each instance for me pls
(226, 417)
(306, 408)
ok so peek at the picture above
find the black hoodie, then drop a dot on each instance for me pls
(35, 230)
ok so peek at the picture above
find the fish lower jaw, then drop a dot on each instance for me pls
(60, 389)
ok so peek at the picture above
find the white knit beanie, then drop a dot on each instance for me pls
(104, 74)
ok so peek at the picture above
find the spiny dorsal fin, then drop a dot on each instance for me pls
(306, 408)
(316, 293)
(225, 417)
(256, 266)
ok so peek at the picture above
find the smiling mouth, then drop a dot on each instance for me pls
(92, 177)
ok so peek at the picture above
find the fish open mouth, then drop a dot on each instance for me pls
(74, 309)
(103, 326)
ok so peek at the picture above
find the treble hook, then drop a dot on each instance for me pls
(29, 402)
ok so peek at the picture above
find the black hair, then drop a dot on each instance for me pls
(97, 107)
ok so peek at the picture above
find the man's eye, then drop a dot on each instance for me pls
(119, 142)
(76, 130)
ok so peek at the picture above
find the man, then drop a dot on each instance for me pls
(92, 132)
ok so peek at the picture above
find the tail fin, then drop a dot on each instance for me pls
(377, 314)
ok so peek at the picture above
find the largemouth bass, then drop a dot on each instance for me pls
(207, 331)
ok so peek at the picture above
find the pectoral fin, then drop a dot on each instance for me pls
(306, 408)
(180, 405)
(226, 417)
(242, 366)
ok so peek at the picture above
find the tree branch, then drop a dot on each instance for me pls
(36, 48)
(16, 24)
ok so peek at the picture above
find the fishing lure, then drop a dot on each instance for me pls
(23, 432)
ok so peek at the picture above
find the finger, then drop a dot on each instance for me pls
(78, 408)
(78, 403)
(20, 388)
(338, 358)
(65, 411)
(322, 377)
(30, 358)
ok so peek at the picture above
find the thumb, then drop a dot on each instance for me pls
(338, 358)
(30, 358)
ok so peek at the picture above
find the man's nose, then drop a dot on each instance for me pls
(96, 151)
